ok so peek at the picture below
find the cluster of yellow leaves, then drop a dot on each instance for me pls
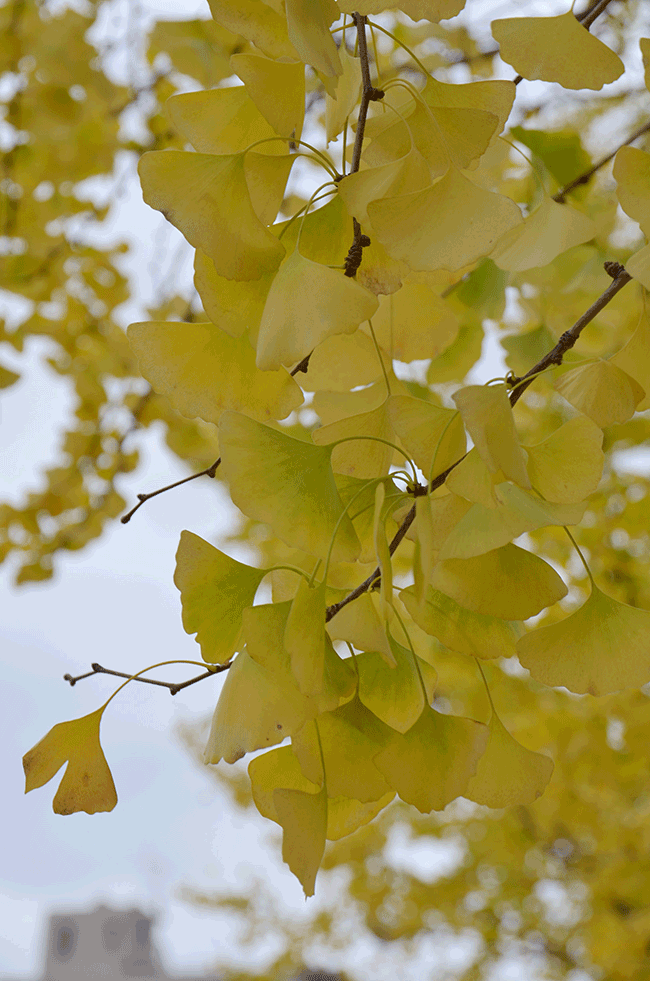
(363, 726)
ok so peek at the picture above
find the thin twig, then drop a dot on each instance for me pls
(588, 174)
(143, 498)
(174, 687)
(368, 95)
(554, 357)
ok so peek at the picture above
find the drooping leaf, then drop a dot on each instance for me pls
(359, 624)
(308, 24)
(632, 174)
(295, 493)
(567, 466)
(488, 418)
(204, 371)
(601, 648)
(460, 629)
(277, 88)
(550, 230)
(303, 817)
(508, 582)
(472, 480)
(87, 784)
(233, 306)
(417, 763)
(602, 391)
(348, 86)
(393, 694)
(634, 359)
(304, 637)
(507, 773)
(556, 49)
(215, 590)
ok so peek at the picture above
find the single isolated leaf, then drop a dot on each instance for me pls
(567, 466)
(287, 483)
(258, 22)
(277, 88)
(507, 772)
(203, 372)
(303, 817)
(460, 629)
(632, 174)
(433, 436)
(556, 49)
(347, 89)
(489, 420)
(308, 24)
(308, 302)
(445, 226)
(215, 590)
(550, 230)
(206, 197)
(634, 359)
(393, 694)
(87, 784)
(602, 391)
(508, 582)
(431, 764)
(601, 648)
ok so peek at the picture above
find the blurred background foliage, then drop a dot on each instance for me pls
(559, 889)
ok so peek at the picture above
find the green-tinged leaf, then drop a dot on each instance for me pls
(601, 648)
(507, 773)
(431, 764)
(561, 151)
(508, 582)
(362, 513)
(277, 88)
(287, 483)
(567, 466)
(602, 391)
(87, 784)
(460, 629)
(203, 372)
(488, 418)
(556, 49)
(433, 436)
(393, 694)
(215, 590)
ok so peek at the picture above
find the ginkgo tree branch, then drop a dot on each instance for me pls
(173, 686)
(143, 498)
(588, 174)
(554, 357)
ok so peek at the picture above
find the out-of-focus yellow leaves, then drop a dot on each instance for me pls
(215, 589)
(602, 391)
(488, 418)
(508, 582)
(277, 88)
(634, 359)
(347, 89)
(416, 764)
(87, 784)
(556, 49)
(207, 198)
(550, 230)
(433, 436)
(308, 302)
(602, 647)
(295, 494)
(308, 24)
(567, 466)
(258, 22)
(507, 772)
(445, 226)
(644, 44)
(632, 174)
(460, 629)
(204, 371)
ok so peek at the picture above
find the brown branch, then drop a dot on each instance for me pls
(554, 357)
(588, 174)
(174, 687)
(368, 95)
(143, 498)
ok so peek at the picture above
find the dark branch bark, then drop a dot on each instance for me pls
(174, 687)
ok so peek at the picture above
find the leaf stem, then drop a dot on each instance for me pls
(582, 558)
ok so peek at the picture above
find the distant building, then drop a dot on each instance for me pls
(115, 945)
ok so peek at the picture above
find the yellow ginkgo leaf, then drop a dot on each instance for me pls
(87, 784)
(308, 25)
(508, 582)
(495, 96)
(567, 466)
(417, 763)
(445, 226)
(488, 418)
(362, 512)
(348, 86)
(203, 372)
(332, 406)
(393, 694)
(207, 198)
(382, 552)
(446, 512)
(359, 624)
(632, 174)
(556, 49)
(432, 435)
(258, 22)
(414, 323)
(222, 121)
(363, 458)
(644, 44)
(603, 647)
(550, 230)
(294, 492)
(304, 637)
(460, 629)
(307, 303)
(341, 362)
(304, 822)
(472, 480)
(638, 266)
(432, 10)
(482, 529)
(254, 711)
(602, 391)
(507, 772)
(266, 179)
(215, 590)
(634, 359)
(426, 553)
(277, 88)
(233, 306)
(408, 173)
